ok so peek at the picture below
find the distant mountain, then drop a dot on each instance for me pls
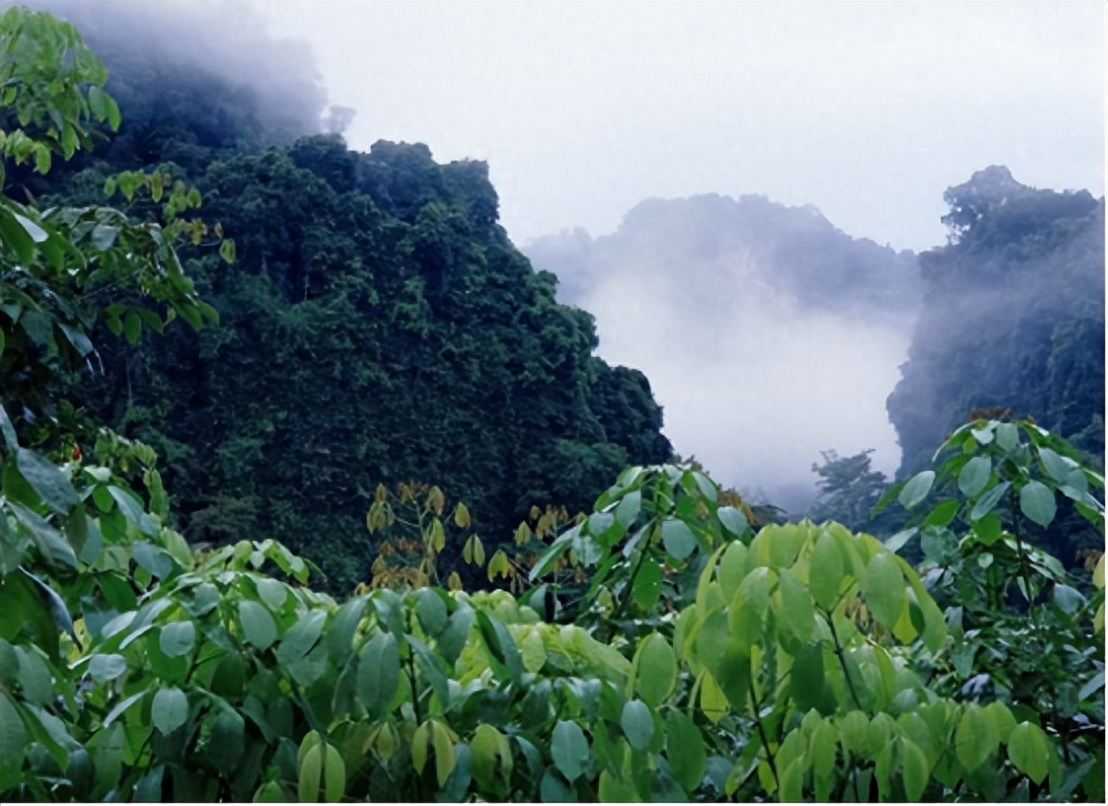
(1012, 317)
(767, 333)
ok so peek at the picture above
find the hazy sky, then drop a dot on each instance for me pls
(868, 110)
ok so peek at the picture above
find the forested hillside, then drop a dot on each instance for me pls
(377, 327)
(1013, 317)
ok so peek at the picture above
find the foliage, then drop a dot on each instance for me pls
(1013, 317)
(1023, 625)
(800, 661)
(377, 327)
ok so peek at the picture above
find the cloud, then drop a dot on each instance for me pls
(767, 334)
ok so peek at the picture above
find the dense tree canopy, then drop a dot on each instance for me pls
(377, 327)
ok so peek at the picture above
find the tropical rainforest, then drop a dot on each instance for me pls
(243, 369)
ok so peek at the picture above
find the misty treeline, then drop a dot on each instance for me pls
(379, 327)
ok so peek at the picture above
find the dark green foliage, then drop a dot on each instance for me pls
(377, 327)
(1013, 317)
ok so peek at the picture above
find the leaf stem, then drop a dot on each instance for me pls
(842, 660)
(762, 732)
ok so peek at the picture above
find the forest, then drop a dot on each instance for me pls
(376, 522)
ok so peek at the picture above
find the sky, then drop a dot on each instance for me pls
(867, 110)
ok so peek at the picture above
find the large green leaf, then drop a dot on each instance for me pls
(685, 750)
(1029, 751)
(177, 638)
(916, 770)
(569, 749)
(1037, 503)
(808, 677)
(656, 670)
(13, 743)
(677, 538)
(986, 503)
(47, 479)
(825, 572)
(431, 611)
(975, 475)
(637, 723)
(975, 738)
(227, 741)
(301, 637)
(378, 672)
(916, 489)
(169, 710)
(52, 547)
(796, 604)
(258, 626)
(883, 587)
(647, 587)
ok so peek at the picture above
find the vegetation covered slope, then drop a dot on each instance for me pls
(1013, 317)
(377, 327)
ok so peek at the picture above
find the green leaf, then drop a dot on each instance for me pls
(637, 724)
(808, 677)
(647, 587)
(677, 538)
(733, 520)
(975, 738)
(1037, 503)
(533, 651)
(34, 677)
(975, 475)
(13, 742)
(986, 503)
(431, 611)
(258, 626)
(273, 592)
(47, 480)
(444, 752)
(311, 768)
(825, 572)
(685, 750)
(8, 429)
(796, 605)
(1007, 437)
(378, 672)
(1029, 751)
(897, 541)
(227, 741)
(656, 670)
(301, 637)
(916, 770)
(132, 327)
(1056, 467)
(916, 489)
(1094, 685)
(883, 587)
(569, 749)
(103, 668)
(1067, 598)
(170, 709)
(554, 789)
(823, 748)
(177, 638)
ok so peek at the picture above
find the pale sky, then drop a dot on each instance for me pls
(868, 110)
